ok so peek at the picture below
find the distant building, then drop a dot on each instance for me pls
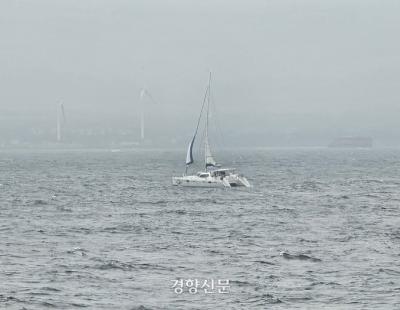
(349, 142)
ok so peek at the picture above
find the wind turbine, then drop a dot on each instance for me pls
(144, 93)
(60, 121)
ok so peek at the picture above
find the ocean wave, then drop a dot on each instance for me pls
(264, 262)
(141, 307)
(9, 299)
(78, 250)
(264, 299)
(38, 202)
(299, 257)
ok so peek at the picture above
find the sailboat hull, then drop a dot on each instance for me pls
(210, 180)
(195, 181)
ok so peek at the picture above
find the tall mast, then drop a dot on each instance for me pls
(209, 159)
(206, 144)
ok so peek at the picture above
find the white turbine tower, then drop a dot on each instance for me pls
(144, 93)
(60, 121)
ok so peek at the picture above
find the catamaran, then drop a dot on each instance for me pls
(213, 175)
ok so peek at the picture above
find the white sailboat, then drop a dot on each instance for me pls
(213, 175)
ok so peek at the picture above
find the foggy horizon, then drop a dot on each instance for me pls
(284, 73)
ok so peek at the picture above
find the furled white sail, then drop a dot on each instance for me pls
(189, 154)
(209, 158)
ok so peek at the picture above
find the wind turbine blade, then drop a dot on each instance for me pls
(150, 97)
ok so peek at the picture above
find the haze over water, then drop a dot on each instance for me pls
(286, 73)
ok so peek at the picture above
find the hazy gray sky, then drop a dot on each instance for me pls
(280, 66)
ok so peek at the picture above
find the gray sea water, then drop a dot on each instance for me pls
(320, 229)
